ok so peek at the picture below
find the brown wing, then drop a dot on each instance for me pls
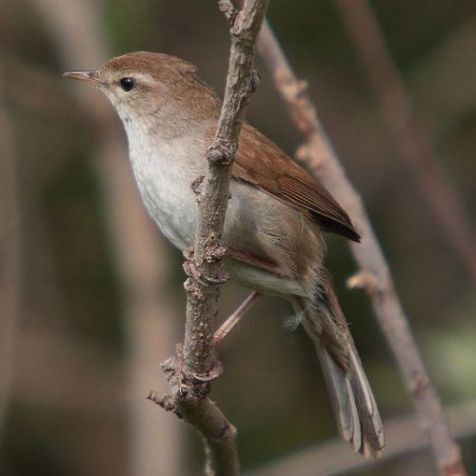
(261, 163)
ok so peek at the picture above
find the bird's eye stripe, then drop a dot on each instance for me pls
(127, 84)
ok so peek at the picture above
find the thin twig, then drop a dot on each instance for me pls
(10, 257)
(414, 149)
(321, 159)
(403, 437)
(189, 383)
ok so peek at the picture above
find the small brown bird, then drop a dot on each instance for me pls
(275, 219)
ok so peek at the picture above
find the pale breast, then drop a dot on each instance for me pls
(164, 177)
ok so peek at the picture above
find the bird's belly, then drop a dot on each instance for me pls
(263, 281)
(169, 200)
(174, 219)
(255, 222)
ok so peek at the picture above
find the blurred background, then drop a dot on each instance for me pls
(91, 296)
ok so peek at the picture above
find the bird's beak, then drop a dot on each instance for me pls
(90, 76)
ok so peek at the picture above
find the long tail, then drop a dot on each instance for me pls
(352, 400)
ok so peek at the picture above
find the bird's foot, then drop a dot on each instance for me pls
(176, 372)
(191, 270)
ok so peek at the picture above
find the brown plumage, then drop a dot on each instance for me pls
(274, 221)
(260, 162)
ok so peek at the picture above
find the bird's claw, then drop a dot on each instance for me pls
(192, 271)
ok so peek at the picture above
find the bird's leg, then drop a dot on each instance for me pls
(234, 318)
(191, 270)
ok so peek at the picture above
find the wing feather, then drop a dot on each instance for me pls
(261, 163)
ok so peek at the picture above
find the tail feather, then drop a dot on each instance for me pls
(352, 400)
(342, 400)
(369, 414)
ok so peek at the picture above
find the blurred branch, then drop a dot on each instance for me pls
(10, 257)
(141, 259)
(414, 149)
(73, 364)
(57, 374)
(34, 88)
(403, 437)
(189, 374)
(450, 69)
(318, 155)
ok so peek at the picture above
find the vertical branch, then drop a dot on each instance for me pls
(141, 260)
(190, 383)
(415, 151)
(374, 277)
(202, 306)
(10, 259)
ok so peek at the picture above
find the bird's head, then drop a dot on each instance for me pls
(143, 86)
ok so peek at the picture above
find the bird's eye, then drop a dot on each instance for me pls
(127, 84)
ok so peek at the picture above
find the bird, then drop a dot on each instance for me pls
(276, 216)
